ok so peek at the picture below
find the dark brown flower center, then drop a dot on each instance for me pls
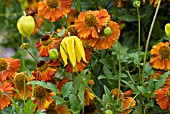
(164, 52)
(53, 3)
(42, 65)
(46, 40)
(3, 64)
(40, 92)
(72, 30)
(90, 20)
(19, 80)
(115, 93)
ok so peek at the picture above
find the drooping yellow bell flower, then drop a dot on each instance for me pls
(72, 48)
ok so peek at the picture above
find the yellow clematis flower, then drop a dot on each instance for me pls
(72, 48)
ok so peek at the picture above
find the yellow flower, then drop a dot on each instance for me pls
(72, 48)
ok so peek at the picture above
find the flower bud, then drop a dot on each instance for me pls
(26, 25)
(167, 29)
(107, 31)
(53, 54)
(108, 112)
(136, 4)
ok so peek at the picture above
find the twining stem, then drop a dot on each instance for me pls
(140, 77)
(149, 35)
(23, 65)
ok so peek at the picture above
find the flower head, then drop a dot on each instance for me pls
(46, 70)
(161, 59)
(54, 9)
(162, 98)
(90, 22)
(5, 94)
(42, 97)
(155, 2)
(46, 43)
(88, 97)
(128, 102)
(104, 41)
(71, 48)
(19, 86)
(8, 66)
(118, 94)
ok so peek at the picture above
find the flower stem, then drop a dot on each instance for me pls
(23, 66)
(149, 35)
(140, 77)
(119, 74)
(31, 55)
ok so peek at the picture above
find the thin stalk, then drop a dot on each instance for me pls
(23, 65)
(119, 74)
(149, 35)
(31, 55)
(140, 77)
(37, 25)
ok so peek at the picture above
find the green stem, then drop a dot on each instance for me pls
(119, 74)
(149, 35)
(23, 65)
(31, 55)
(37, 25)
(140, 77)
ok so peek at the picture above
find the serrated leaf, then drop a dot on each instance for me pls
(87, 78)
(47, 85)
(161, 80)
(148, 69)
(82, 88)
(66, 89)
(74, 101)
(59, 100)
(29, 107)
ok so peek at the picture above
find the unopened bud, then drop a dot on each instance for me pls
(107, 31)
(136, 4)
(26, 25)
(53, 54)
(24, 45)
(167, 29)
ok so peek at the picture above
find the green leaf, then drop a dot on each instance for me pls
(81, 92)
(76, 85)
(128, 18)
(101, 77)
(130, 85)
(75, 102)
(161, 80)
(66, 89)
(87, 78)
(107, 72)
(141, 89)
(108, 95)
(47, 85)
(59, 100)
(151, 103)
(106, 62)
(148, 69)
(41, 112)
(29, 107)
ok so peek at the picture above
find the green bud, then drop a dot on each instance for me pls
(167, 29)
(136, 4)
(26, 25)
(53, 54)
(107, 31)
(108, 112)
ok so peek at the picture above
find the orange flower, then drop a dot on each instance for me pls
(80, 65)
(8, 66)
(128, 102)
(161, 59)
(104, 41)
(71, 17)
(54, 9)
(42, 97)
(167, 83)
(157, 74)
(115, 93)
(119, 3)
(46, 43)
(90, 22)
(46, 70)
(155, 2)
(61, 83)
(128, 93)
(162, 98)
(88, 97)
(19, 86)
(5, 94)
(57, 109)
